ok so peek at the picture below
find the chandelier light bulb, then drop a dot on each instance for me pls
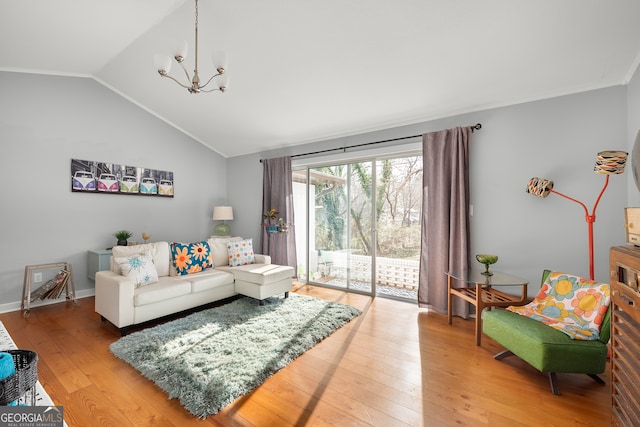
(219, 60)
(223, 82)
(181, 51)
(163, 64)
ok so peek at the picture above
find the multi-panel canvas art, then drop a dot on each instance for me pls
(110, 178)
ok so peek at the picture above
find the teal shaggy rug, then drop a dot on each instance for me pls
(210, 358)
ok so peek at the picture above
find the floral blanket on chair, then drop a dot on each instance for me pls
(570, 304)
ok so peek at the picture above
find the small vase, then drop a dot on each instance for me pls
(122, 243)
(487, 260)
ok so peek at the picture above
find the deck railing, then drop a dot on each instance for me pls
(399, 273)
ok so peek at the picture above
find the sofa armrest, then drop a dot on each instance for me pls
(262, 259)
(114, 298)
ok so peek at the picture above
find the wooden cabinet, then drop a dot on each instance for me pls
(625, 335)
(97, 260)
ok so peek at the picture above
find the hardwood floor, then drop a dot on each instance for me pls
(396, 365)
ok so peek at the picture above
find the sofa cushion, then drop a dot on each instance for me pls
(570, 304)
(241, 252)
(166, 288)
(219, 250)
(260, 273)
(159, 252)
(209, 279)
(189, 258)
(139, 268)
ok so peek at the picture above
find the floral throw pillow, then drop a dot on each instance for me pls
(241, 252)
(138, 267)
(190, 258)
(571, 304)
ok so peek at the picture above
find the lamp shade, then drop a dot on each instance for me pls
(222, 213)
(539, 187)
(610, 162)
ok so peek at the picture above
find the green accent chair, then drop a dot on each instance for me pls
(545, 348)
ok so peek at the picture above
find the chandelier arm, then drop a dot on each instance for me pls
(175, 80)
(186, 73)
(209, 81)
(210, 90)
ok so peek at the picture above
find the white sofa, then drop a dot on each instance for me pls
(123, 303)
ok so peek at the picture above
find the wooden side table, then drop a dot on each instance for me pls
(481, 293)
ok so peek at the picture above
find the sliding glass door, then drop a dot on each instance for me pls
(338, 213)
(397, 219)
(363, 225)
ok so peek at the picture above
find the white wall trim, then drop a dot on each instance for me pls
(15, 306)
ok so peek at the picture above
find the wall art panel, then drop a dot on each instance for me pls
(88, 176)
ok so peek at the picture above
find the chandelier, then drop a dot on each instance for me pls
(163, 64)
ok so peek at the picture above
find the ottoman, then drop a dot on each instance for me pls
(261, 281)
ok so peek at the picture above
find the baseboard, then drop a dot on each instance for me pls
(15, 306)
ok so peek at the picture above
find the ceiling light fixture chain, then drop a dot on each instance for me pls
(163, 64)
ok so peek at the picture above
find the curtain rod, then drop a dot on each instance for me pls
(477, 126)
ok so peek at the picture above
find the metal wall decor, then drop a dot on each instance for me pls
(109, 178)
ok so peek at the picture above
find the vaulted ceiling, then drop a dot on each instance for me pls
(303, 71)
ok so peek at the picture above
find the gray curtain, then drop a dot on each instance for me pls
(277, 193)
(445, 216)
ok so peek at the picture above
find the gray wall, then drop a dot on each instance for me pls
(557, 139)
(45, 121)
(633, 118)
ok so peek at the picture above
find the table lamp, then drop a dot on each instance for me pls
(607, 163)
(222, 213)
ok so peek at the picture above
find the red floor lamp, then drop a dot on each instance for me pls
(607, 163)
